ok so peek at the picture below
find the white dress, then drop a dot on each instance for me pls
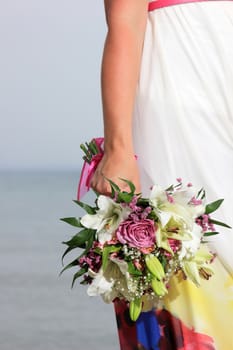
(183, 127)
(183, 122)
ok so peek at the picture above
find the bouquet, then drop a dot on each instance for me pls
(130, 246)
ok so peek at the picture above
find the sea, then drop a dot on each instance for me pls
(38, 308)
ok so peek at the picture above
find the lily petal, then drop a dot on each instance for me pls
(123, 266)
(91, 221)
(104, 203)
(191, 271)
(99, 285)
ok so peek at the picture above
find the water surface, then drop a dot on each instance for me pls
(39, 311)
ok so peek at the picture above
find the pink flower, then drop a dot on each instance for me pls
(91, 260)
(205, 222)
(174, 244)
(139, 234)
(195, 201)
(138, 265)
(170, 198)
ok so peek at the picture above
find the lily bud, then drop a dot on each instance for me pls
(154, 266)
(135, 308)
(158, 287)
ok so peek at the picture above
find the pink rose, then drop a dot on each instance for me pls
(139, 234)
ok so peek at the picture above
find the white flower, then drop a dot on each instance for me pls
(198, 266)
(100, 284)
(157, 196)
(180, 208)
(107, 218)
(122, 264)
(185, 196)
(190, 247)
(165, 210)
(112, 282)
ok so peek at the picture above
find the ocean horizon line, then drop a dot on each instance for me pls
(40, 170)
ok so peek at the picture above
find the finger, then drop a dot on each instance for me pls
(99, 185)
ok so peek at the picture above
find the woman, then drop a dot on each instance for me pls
(167, 80)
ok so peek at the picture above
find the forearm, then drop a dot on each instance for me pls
(119, 76)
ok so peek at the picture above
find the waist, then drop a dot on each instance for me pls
(153, 5)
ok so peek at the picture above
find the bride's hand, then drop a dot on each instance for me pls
(116, 167)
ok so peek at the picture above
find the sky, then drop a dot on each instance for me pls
(50, 98)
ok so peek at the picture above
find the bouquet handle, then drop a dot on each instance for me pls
(89, 168)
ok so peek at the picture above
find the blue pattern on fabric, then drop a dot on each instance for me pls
(148, 332)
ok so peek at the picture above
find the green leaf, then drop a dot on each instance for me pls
(65, 253)
(98, 250)
(130, 184)
(72, 264)
(83, 240)
(170, 188)
(124, 197)
(80, 238)
(72, 221)
(69, 249)
(211, 207)
(133, 270)
(114, 188)
(153, 216)
(93, 147)
(88, 246)
(201, 193)
(86, 207)
(163, 261)
(78, 274)
(216, 222)
(211, 233)
(87, 156)
(143, 202)
(106, 251)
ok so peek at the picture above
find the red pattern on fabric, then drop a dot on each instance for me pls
(175, 335)
(126, 328)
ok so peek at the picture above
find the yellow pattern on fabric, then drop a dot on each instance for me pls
(208, 309)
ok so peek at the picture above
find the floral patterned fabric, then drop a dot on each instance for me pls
(191, 318)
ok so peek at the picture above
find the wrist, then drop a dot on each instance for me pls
(118, 146)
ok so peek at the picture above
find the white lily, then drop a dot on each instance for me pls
(198, 266)
(113, 281)
(107, 218)
(191, 246)
(101, 285)
(185, 195)
(122, 265)
(181, 233)
(190, 269)
(165, 210)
